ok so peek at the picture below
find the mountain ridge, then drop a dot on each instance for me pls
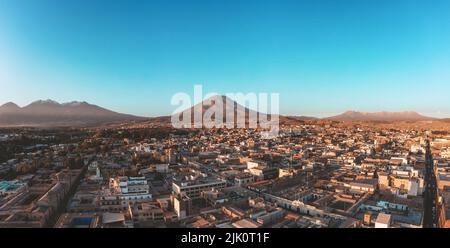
(228, 105)
(79, 113)
(50, 113)
(380, 116)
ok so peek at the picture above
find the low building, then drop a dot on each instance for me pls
(363, 185)
(243, 179)
(443, 180)
(182, 205)
(193, 188)
(383, 221)
(246, 223)
(444, 214)
(124, 191)
(264, 172)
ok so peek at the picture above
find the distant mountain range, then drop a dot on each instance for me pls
(231, 106)
(380, 116)
(49, 113)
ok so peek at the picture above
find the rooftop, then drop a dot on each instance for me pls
(6, 186)
(383, 218)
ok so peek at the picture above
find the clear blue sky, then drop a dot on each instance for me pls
(323, 57)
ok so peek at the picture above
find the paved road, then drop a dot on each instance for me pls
(430, 195)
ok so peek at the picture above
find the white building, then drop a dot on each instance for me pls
(193, 188)
(162, 168)
(126, 190)
(251, 164)
(416, 148)
(383, 221)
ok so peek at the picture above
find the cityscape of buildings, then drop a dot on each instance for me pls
(316, 174)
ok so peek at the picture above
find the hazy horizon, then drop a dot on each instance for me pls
(322, 115)
(323, 57)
